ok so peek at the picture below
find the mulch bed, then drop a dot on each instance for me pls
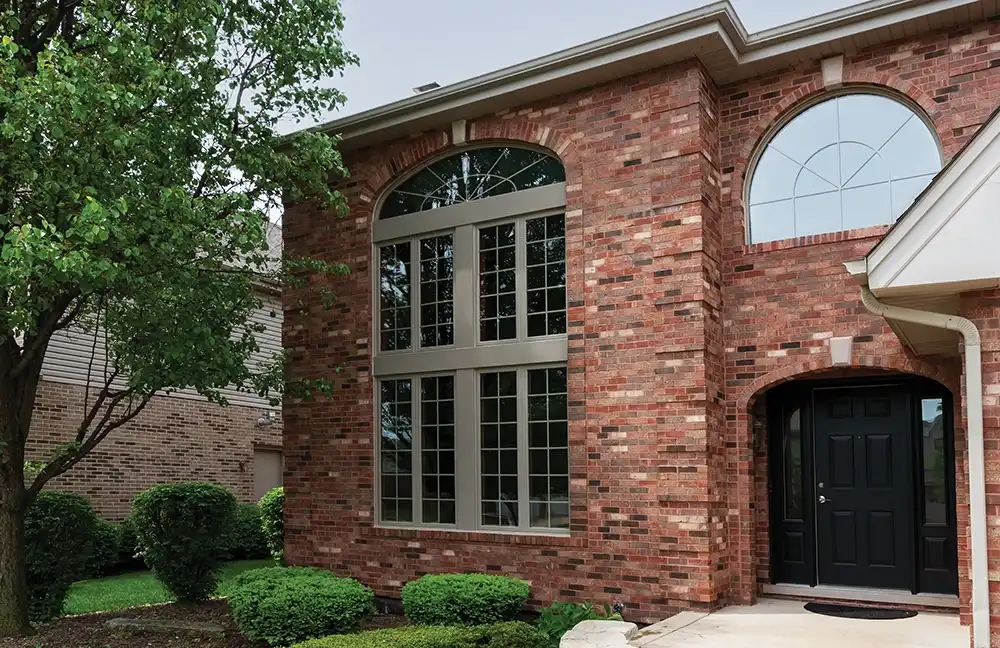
(89, 631)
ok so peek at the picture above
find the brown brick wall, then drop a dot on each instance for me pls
(173, 439)
(676, 328)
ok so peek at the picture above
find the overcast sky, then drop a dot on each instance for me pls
(406, 43)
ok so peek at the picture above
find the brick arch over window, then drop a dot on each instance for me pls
(810, 92)
(419, 151)
(807, 368)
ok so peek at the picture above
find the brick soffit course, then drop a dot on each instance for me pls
(714, 34)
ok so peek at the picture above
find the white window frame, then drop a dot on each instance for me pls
(468, 356)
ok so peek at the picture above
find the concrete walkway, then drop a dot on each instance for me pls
(785, 624)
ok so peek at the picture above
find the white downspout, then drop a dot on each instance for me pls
(977, 466)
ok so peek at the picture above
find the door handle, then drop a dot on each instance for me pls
(823, 499)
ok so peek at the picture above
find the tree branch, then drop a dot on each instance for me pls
(36, 343)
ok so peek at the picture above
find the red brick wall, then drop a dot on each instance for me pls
(676, 328)
(796, 293)
(173, 439)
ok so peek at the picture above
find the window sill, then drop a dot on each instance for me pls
(531, 538)
(816, 239)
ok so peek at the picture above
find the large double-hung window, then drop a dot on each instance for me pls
(470, 361)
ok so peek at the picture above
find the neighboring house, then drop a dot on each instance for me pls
(178, 437)
(599, 332)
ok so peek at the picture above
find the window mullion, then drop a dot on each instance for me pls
(468, 464)
(523, 508)
(415, 294)
(466, 307)
(417, 449)
(521, 278)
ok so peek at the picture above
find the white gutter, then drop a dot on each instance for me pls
(977, 464)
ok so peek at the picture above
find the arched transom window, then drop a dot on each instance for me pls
(471, 346)
(856, 160)
(473, 175)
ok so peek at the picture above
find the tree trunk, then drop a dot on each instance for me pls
(13, 579)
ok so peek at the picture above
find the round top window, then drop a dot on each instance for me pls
(853, 161)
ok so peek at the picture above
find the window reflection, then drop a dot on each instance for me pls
(853, 161)
(792, 455)
(934, 460)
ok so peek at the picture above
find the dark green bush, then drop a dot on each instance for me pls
(248, 541)
(184, 532)
(59, 534)
(272, 511)
(501, 635)
(104, 558)
(464, 599)
(129, 552)
(560, 617)
(283, 605)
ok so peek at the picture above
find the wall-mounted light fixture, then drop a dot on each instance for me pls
(266, 419)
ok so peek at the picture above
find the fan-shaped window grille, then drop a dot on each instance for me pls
(473, 175)
(856, 160)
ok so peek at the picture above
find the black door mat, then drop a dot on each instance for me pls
(852, 612)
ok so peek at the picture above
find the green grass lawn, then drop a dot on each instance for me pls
(139, 588)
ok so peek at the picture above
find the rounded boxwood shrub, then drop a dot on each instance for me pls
(107, 541)
(248, 541)
(59, 536)
(464, 599)
(184, 531)
(283, 605)
(501, 635)
(272, 511)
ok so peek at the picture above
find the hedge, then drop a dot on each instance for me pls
(60, 531)
(104, 559)
(282, 605)
(464, 599)
(248, 540)
(501, 635)
(272, 511)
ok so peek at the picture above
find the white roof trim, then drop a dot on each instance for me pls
(935, 208)
(713, 28)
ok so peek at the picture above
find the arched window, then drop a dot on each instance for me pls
(856, 160)
(473, 175)
(471, 346)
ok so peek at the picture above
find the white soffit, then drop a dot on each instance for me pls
(713, 34)
(949, 240)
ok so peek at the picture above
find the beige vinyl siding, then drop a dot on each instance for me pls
(72, 352)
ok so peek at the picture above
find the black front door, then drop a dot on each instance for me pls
(862, 482)
(864, 487)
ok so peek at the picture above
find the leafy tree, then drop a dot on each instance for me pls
(139, 153)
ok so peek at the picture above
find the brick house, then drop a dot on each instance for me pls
(633, 321)
(178, 437)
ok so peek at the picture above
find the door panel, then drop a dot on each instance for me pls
(864, 487)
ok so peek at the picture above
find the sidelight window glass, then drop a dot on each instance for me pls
(932, 439)
(792, 455)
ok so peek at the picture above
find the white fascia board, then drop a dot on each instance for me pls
(664, 38)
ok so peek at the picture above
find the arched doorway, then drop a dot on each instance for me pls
(862, 484)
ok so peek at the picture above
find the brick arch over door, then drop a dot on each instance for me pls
(806, 368)
(752, 502)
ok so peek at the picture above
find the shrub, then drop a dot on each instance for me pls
(272, 511)
(59, 537)
(184, 531)
(560, 617)
(282, 605)
(129, 552)
(464, 599)
(104, 558)
(248, 541)
(502, 635)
